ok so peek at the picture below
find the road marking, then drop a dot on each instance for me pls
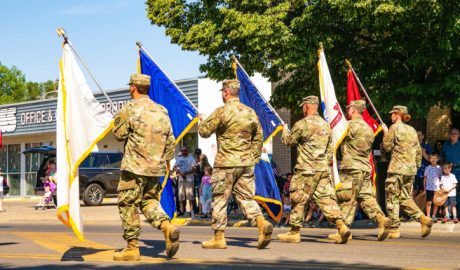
(68, 246)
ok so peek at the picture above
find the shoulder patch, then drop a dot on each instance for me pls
(117, 121)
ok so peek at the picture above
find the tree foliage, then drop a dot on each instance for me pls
(15, 88)
(404, 51)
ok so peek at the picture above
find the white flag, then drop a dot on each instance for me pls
(332, 111)
(81, 123)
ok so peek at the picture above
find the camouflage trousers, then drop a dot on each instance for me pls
(356, 187)
(240, 182)
(398, 189)
(317, 186)
(134, 192)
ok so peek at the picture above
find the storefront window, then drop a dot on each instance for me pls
(31, 183)
(14, 158)
(3, 158)
(14, 181)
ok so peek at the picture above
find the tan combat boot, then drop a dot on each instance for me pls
(292, 236)
(216, 242)
(344, 232)
(336, 236)
(265, 232)
(129, 253)
(427, 223)
(394, 233)
(171, 234)
(384, 225)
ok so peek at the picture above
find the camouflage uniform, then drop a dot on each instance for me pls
(355, 173)
(149, 143)
(406, 156)
(239, 146)
(312, 136)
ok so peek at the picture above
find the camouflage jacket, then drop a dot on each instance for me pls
(238, 132)
(357, 145)
(406, 154)
(149, 141)
(314, 143)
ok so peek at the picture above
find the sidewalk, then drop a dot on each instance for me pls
(22, 210)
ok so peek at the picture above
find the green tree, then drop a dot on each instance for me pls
(404, 51)
(14, 87)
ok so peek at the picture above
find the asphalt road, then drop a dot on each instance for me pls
(32, 246)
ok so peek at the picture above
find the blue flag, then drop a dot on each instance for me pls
(167, 196)
(267, 192)
(182, 113)
(251, 97)
(165, 92)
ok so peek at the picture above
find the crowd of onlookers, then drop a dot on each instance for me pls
(436, 179)
(191, 177)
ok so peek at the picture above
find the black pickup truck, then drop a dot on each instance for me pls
(99, 173)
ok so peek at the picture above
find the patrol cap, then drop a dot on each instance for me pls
(309, 100)
(234, 84)
(357, 104)
(139, 80)
(400, 109)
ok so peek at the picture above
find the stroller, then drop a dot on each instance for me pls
(47, 201)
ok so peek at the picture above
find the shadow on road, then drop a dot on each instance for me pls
(8, 243)
(77, 253)
(237, 264)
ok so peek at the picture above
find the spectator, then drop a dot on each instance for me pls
(287, 185)
(451, 153)
(206, 192)
(1, 191)
(438, 150)
(448, 185)
(314, 215)
(431, 183)
(201, 163)
(426, 152)
(286, 210)
(185, 167)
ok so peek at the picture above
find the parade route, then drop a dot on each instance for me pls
(40, 241)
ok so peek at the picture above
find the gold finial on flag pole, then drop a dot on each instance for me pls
(62, 33)
(348, 64)
(234, 61)
(321, 48)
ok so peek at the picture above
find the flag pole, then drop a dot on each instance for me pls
(364, 91)
(62, 33)
(235, 60)
(139, 44)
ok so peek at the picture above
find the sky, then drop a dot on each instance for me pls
(104, 33)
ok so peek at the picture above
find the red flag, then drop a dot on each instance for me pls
(353, 94)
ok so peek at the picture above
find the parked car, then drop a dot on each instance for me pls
(99, 173)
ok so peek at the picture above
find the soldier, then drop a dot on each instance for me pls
(406, 156)
(355, 172)
(312, 136)
(149, 145)
(239, 146)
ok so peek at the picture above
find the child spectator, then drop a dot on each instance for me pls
(314, 216)
(206, 192)
(287, 185)
(448, 185)
(286, 211)
(431, 183)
